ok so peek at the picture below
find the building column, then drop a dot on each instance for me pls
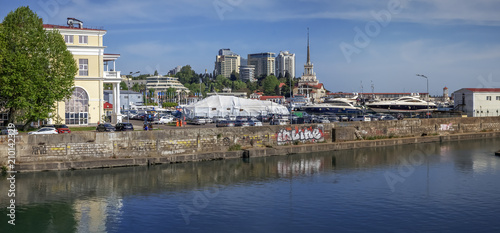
(116, 116)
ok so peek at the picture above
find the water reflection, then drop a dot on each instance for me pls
(94, 200)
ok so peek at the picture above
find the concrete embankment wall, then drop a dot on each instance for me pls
(90, 149)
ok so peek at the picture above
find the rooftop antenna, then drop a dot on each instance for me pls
(72, 21)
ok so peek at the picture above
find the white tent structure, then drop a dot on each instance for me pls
(223, 106)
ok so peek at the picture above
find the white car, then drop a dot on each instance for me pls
(361, 118)
(254, 123)
(165, 119)
(45, 130)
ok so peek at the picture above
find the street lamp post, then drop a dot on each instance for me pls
(128, 94)
(423, 76)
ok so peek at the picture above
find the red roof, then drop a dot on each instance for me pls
(318, 86)
(66, 27)
(484, 89)
(108, 106)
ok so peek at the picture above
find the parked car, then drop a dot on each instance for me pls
(45, 130)
(241, 123)
(255, 122)
(218, 119)
(278, 122)
(361, 118)
(333, 118)
(62, 129)
(106, 127)
(198, 121)
(242, 118)
(389, 118)
(5, 131)
(264, 118)
(373, 117)
(344, 118)
(207, 119)
(323, 120)
(124, 126)
(165, 119)
(225, 123)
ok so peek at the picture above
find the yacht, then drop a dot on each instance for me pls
(334, 105)
(403, 104)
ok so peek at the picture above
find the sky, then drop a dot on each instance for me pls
(356, 45)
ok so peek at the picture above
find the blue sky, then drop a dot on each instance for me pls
(456, 43)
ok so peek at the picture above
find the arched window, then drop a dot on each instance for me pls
(77, 107)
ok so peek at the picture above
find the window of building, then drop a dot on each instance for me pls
(488, 97)
(77, 107)
(84, 67)
(498, 97)
(68, 39)
(83, 39)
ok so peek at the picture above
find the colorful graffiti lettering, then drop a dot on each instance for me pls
(446, 127)
(306, 134)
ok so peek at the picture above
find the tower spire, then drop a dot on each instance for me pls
(308, 53)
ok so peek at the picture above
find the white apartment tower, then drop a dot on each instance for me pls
(285, 62)
(226, 62)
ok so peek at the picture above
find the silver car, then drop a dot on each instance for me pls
(45, 130)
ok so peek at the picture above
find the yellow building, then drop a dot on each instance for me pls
(85, 107)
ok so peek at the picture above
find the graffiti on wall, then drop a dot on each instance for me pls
(303, 134)
(38, 150)
(446, 127)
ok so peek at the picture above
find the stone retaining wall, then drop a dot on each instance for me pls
(173, 145)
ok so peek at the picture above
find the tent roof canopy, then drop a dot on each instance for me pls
(229, 105)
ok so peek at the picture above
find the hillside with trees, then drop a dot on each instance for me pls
(205, 83)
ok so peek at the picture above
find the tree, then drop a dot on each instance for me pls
(36, 69)
(187, 75)
(136, 87)
(123, 85)
(235, 76)
(270, 85)
(156, 73)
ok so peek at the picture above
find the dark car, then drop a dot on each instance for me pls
(105, 127)
(225, 124)
(62, 129)
(124, 126)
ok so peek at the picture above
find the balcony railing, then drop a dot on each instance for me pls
(112, 75)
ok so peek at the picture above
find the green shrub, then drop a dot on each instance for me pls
(235, 147)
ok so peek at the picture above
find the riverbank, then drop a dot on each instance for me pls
(248, 153)
(83, 150)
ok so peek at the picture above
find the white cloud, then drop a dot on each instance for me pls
(478, 12)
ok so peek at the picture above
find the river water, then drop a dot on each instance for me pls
(433, 187)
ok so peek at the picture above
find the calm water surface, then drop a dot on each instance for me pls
(448, 187)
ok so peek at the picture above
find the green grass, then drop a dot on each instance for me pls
(235, 147)
(89, 128)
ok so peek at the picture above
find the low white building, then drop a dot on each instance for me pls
(478, 102)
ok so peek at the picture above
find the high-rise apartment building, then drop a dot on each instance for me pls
(247, 73)
(226, 62)
(285, 62)
(263, 62)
